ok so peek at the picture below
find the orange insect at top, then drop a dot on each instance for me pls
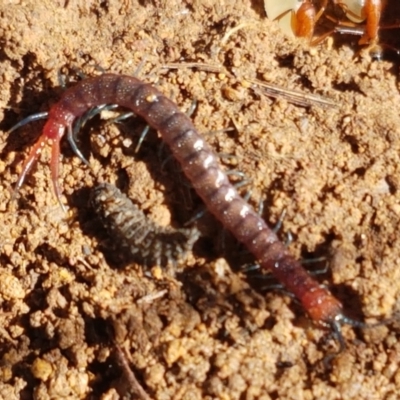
(372, 11)
(362, 18)
(303, 22)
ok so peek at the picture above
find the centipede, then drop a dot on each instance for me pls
(201, 167)
(136, 233)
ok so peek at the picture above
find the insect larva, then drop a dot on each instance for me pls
(135, 232)
(202, 168)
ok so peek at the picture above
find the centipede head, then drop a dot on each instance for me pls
(336, 327)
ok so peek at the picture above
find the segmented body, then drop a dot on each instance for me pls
(202, 168)
(134, 231)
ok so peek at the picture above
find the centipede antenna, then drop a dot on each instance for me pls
(27, 120)
(352, 322)
(344, 320)
(336, 326)
(74, 146)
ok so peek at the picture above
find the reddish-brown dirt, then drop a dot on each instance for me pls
(67, 299)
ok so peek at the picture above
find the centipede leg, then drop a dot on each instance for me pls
(81, 122)
(27, 120)
(72, 133)
(74, 146)
(141, 138)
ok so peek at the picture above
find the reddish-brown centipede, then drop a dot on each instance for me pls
(134, 231)
(202, 168)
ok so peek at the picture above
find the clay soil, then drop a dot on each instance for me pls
(80, 321)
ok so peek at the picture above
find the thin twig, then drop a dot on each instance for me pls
(293, 96)
(129, 375)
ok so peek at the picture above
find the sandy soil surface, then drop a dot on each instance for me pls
(79, 322)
